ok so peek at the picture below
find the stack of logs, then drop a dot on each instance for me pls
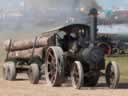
(26, 48)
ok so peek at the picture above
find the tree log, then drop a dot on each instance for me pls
(25, 44)
(25, 54)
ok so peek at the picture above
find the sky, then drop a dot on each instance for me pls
(106, 3)
(110, 4)
(11, 4)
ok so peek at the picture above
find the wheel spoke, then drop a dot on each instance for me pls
(111, 75)
(51, 55)
(53, 61)
(75, 74)
(49, 73)
(52, 78)
(48, 62)
(52, 72)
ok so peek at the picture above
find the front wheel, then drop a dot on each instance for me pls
(77, 75)
(112, 75)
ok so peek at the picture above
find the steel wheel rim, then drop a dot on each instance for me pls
(51, 65)
(4, 73)
(111, 75)
(8, 71)
(30, 74)
(75, 74)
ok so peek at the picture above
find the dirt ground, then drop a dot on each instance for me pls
(22, 87)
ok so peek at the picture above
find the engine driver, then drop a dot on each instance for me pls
(70, 39)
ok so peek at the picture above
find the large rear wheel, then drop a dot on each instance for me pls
(54, 68)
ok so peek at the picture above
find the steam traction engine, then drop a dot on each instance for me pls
(73, 51)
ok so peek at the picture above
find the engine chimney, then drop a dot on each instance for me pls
(93, 25)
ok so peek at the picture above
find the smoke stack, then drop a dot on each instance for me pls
(93, 25)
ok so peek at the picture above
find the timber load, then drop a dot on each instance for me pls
(12, 45)
(25, 54)
(25, 49)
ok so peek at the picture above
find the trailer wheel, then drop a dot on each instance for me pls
(112, 75)
(34, 73)
(5, 71)
(9, 71)
(54, 69)
(77, 75)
